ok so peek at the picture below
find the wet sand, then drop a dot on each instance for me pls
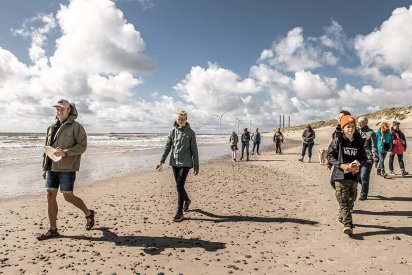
(271, 215)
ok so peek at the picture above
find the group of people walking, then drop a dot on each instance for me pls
(245, 139)
(352, 154)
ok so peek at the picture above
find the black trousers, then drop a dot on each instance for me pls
(278, 148)
(180, 174)
(256, 144)
(309, 147)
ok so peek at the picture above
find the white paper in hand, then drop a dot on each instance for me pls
(49, 151)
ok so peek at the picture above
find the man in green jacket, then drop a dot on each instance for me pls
(69, 140)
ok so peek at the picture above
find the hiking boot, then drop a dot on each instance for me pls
(186, 206)
(178, 217)
(348, 230)
(404, 173)
(52, 233)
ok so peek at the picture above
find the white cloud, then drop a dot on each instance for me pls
(214, 88)
(293, 53)
(311, 86)
(389, 46)
(96, 38)
(94, 64)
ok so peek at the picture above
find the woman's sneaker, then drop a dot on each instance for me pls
(392, 173)
(404, 173)
(178, 217)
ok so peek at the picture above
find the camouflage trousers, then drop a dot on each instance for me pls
(346, 192)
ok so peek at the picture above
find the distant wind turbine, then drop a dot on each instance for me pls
(237, 121)
(220, 121)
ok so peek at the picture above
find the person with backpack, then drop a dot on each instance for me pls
(399, 146)
(346, 153)
(278, 140)
(384, 138)
(181, 142)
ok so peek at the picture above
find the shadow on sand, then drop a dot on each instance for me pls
(384, 213)
(151, 245)
(389, 198)
(383, 230)
(236, 218)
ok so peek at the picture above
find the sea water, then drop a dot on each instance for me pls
(107, 156)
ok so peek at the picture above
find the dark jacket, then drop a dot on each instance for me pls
(233, 140)
(256, 137)
(341, 150)
(371, 146)
(182, 143)
(278, 137)
(71, 138)
(245, 138)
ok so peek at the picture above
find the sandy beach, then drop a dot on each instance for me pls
(271, 215)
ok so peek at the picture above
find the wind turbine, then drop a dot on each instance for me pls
(220, 121)
(237, 121)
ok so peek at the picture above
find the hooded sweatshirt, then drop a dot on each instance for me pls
(342, 150)
(71, 138)
(182, 142)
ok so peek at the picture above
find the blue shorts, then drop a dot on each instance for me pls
(64, 180)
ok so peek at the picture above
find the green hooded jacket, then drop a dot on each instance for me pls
(182, 143)
(71, 138)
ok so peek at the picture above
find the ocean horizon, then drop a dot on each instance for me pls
(107, 156)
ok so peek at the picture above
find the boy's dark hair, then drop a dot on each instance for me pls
(346, 113)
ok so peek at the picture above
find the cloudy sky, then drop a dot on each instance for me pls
(129, 65)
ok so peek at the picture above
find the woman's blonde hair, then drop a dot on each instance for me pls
(384, 126)
(182, 114)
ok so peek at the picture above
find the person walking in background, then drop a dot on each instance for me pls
(256, 141)
(338, 129)
(181, 141)
(278, 140)
(245, 138)
(233, 140)
(308, 137)
(384, 139)
(346, 154)
(399, 146)
(69, 139)
(370, 143)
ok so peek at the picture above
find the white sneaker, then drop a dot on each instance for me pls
(347, 230)
(392, 173)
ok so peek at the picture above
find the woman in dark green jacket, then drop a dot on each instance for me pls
(182, 142)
